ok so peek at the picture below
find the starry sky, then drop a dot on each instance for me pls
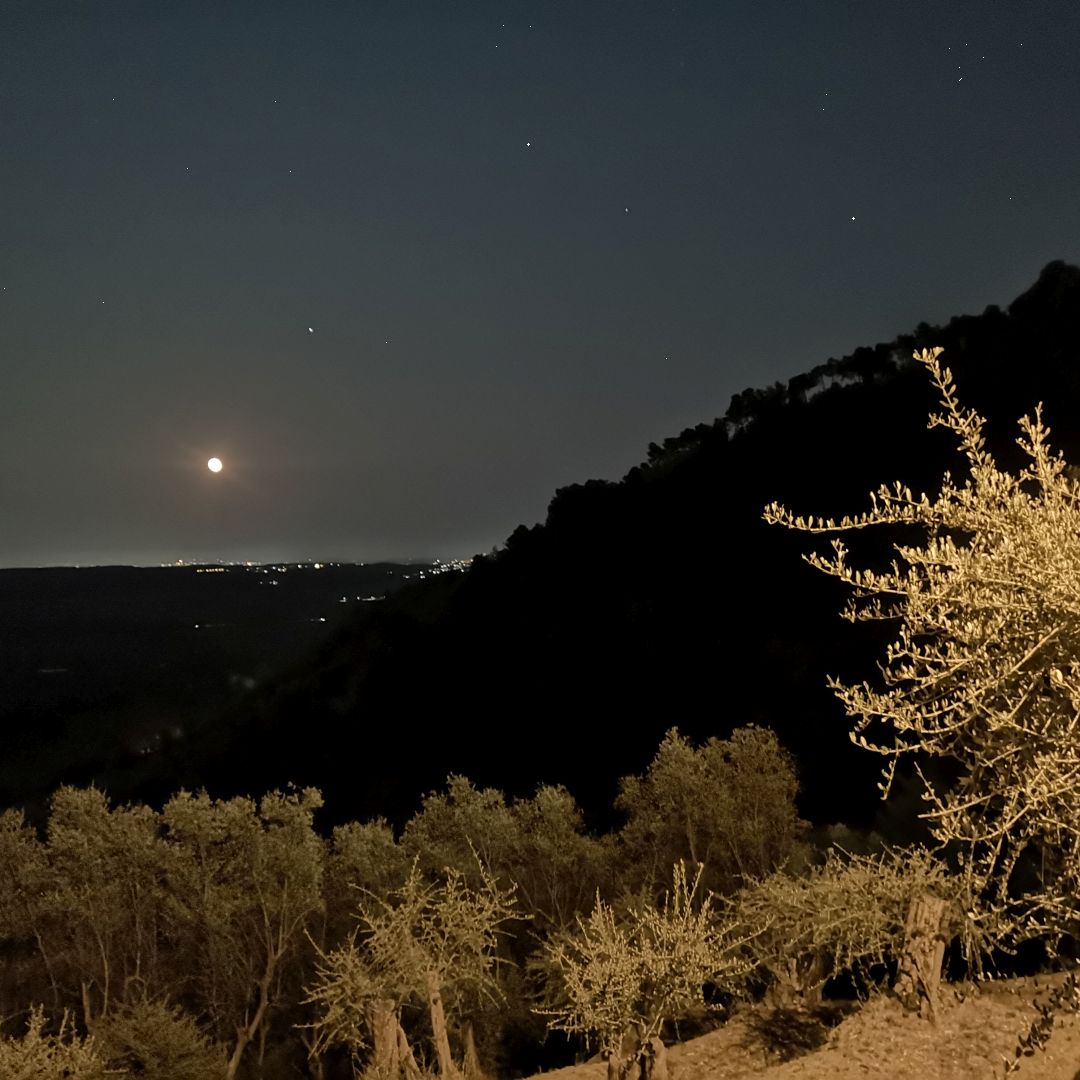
(407, 266)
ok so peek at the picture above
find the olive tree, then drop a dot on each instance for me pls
(727, 808)
(985, 669)
(27, 884)
(429, 942)
(105, 908)
(539, 845)
(245, 880)
(618, 977)
(37, 1055)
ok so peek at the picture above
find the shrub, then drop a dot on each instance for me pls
(846, 915)
(37, 1056)
(152, 1040)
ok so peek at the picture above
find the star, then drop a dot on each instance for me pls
(528, 144)
(852, 217)
(311, 329)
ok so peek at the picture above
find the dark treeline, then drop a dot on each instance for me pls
(186, 940)
(659, 600)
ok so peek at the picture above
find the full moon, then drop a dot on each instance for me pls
(214, 464)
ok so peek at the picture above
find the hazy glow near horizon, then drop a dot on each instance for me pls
(214, 464)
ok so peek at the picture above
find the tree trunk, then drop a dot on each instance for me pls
(917, 983)
(247, 1032)
(637, 1060)
(384, 1036)
(391, 1055)
(405, 1056)
(813, 981)
(473, 1071)
(447, 1069)
(87, 1008)
(799, 985)
(654, 1060)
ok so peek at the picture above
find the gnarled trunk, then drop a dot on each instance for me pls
(447, 1069)
(917, 984)
(638, 1060)
(392, 1056)
(384, 1024)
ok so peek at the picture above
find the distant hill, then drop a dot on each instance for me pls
(660, 600)
(107, 663)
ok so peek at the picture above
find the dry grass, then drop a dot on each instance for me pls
(976, 1027)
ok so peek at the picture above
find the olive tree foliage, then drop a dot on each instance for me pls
(26, 885)
(432, 943)
(559, 866)
(362, 857)
(727, 808)
(539, 845)
(106, 915)
(985, 668)
(37, 1055)
(246, 882)
(466, 827)
(845, 915)
(634, 971)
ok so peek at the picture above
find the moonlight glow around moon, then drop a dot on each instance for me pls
(214, 464)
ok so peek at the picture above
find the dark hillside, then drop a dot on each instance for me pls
(659, 600)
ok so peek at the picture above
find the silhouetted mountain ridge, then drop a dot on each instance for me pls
(659, 600)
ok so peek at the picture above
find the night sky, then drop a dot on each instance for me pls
(406, 266)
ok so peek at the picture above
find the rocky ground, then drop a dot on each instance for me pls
(976, 1028)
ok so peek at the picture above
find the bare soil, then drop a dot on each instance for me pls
(977, 1027)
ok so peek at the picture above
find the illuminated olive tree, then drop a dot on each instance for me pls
(245, 884)
(434, 943)
(620, 977)
(727, 808)
(985, 669)
(40, 1056)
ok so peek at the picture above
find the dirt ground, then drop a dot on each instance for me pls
(976, 1028)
